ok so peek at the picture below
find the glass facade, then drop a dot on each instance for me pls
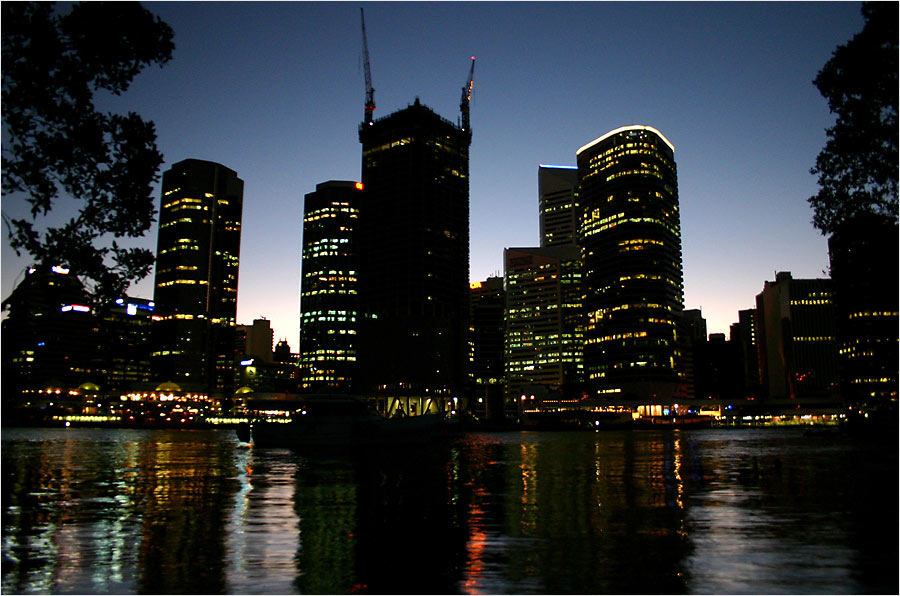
(558, 197)
(197, 276)
(630, 236)
(329, 287)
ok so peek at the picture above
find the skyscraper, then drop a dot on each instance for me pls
(558, 204)
(630, 236)
(864, 265)
(543, 308)
(414, 271)
(197, 276)
(329, 288)
(796, 337)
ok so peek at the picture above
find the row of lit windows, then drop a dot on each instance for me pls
(167, 353)
(874, 380)
(592, 227)
(333, 313)
(630, 148)
(351, 213)
(821, 302)
(184, 202)
(188, 282)
(884, 313)
(178, 221)
(390, 145)
(599, 314)
(330, 291)
(179, 247)
(637, 172)
(646, 276)
(814, 338)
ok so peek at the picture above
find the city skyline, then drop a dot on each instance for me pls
(275, 92)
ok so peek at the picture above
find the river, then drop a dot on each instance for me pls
(668, 512)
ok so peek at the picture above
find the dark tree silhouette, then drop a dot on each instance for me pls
(857, 168)
(59, 147)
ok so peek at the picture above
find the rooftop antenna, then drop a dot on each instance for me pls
(466, 96)
(370, 92)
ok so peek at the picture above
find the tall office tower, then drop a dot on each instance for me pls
(329, 288)
(486, 329)
(795, 331)
(543, 311)
(197, 276)
(630, 235)
(558, 204)
(863, 256)
(414, 271)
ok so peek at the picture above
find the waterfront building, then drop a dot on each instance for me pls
(796, 337)
(329, 289)
(718, 366)
(486, 329)
(414, 252)
(864, 271)
(196, 280)
(127, 335)
(50, 337)
(558, 204)
(543, 310)
(630, 236)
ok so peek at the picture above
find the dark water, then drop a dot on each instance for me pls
(713, 511)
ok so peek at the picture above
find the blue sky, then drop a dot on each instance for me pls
(275, 91)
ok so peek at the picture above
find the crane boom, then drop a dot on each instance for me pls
(466, 96)
(370, 92)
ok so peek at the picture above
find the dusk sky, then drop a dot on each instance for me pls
(275, 91)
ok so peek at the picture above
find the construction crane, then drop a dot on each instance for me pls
(466, 96)
(370, 92)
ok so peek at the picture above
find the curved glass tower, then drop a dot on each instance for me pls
(630, 234)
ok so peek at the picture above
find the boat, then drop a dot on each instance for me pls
(341, 422)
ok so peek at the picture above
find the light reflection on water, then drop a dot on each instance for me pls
(749, 511)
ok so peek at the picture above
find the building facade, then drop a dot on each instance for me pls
(486, 339)
(258, 340)
(543, 314)
(329, 287)
(796, 337)
(51, 339)
(127, 329)
(414, 270)
(864, 270)
(558, 204)
(630, 236)
(196, 282)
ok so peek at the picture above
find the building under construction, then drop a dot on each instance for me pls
(414, 255)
